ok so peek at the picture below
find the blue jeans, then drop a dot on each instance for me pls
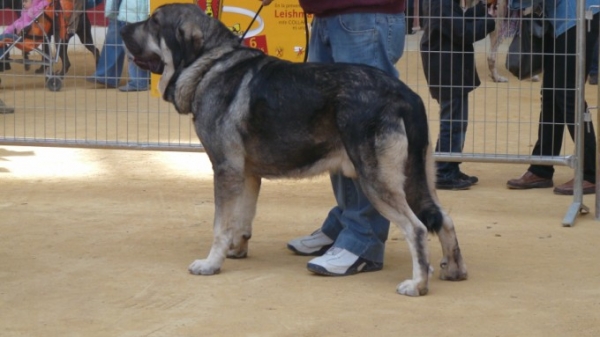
(112, 58)
(11, 36)
(454, 115)
(376, 40)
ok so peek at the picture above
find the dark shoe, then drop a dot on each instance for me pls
(4, 66)
(5, 109)
(472, 179)
(593, 80)
(455, 184)
(529, 180)
(567, 188)
(340, 262)
(128, 88)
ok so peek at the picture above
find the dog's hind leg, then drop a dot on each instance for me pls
(242, 226)
(452, 266)
(491, 58)
(396, 209)
(229, 203)
(383, 184)
(495, 40)
(423, 200)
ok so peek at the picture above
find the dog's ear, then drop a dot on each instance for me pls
(191, 39)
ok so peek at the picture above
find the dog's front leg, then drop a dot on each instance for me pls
(228, 195)
(242, 226)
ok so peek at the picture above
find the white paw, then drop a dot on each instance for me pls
(410, 288)
(202, 267)
(499, 79)
(535, 78)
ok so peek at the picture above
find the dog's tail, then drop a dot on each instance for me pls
(419, 185)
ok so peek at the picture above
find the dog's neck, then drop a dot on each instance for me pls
(182, 86)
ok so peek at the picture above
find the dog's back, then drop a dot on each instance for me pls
(338, 107)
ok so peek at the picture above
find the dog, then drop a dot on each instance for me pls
(496, 37)
(83, 31)
(258, 116)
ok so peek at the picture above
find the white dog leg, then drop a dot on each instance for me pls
(229, 194)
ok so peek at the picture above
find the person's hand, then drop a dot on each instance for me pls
(266, 2)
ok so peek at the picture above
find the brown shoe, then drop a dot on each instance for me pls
(529, 180)
(567, 188)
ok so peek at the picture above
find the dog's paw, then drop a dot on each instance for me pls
(411, 288)
(239, 249)
(499, 79)
(201, 267)
(452, 271)
(236, 254)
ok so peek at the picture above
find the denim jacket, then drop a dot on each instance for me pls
(127, 10)
(562, 14)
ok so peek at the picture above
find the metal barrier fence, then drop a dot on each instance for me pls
(503, 117)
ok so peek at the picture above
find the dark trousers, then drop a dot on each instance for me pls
(558, 100)
(454, 116)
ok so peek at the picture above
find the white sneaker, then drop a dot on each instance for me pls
(315, 244)
(340, 262)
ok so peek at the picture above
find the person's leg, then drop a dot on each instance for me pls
(551, 123)
(410, 11)
(320, 51)
(138, 78)
(318, 242)
(4, 61)
(454, 114)
(558, 104)
(593, 79)
(110, 64)
(5, 109)
(356, 227)
(558, 107)
(565, 103)
(376, 40)
(589, 138)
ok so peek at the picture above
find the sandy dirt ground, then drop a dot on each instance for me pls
(97, 243)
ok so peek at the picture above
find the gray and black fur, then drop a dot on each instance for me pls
(261, 117)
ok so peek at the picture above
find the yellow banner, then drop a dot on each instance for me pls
(278, 29)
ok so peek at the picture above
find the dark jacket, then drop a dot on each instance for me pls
(335, 7)
(447, 46)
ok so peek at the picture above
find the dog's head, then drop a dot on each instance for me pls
(171, 39)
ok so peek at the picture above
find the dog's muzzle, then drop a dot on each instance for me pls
(154, 66)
